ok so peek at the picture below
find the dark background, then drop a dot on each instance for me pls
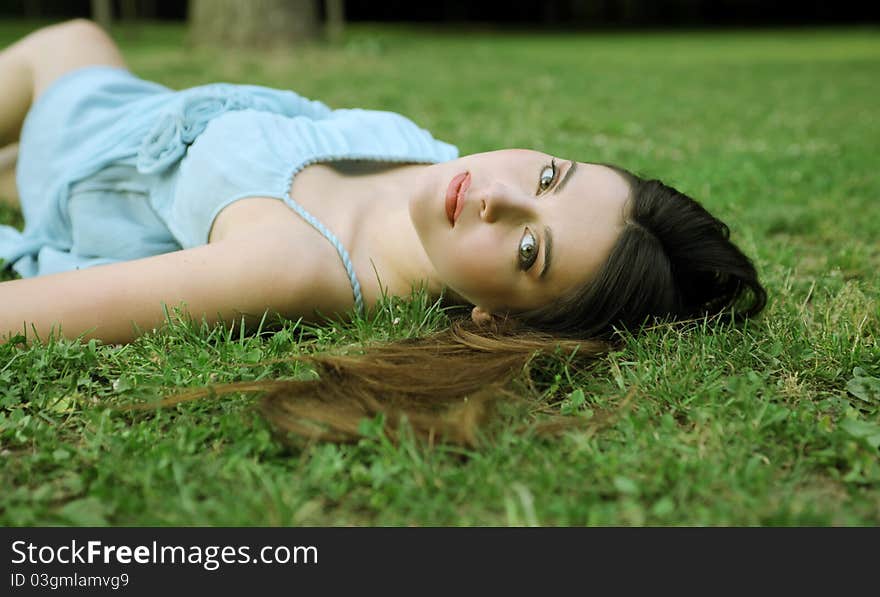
(547, 13)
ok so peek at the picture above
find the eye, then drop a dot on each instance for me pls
(528, 250)
(548, 175)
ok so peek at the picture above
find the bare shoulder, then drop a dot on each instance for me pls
(270, 230)
(275, 232)
(242, 218)
(312, 280)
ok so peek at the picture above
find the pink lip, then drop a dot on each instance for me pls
(458, 186)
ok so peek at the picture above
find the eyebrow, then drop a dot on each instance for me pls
(548, 234)
(548, 251)
(565, 178)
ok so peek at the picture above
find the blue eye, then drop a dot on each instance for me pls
(548, 175)
(528, 250)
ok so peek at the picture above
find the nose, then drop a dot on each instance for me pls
(500, 200)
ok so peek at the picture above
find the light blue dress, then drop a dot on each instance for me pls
(114, 168)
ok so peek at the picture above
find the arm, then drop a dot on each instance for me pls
(221, 281)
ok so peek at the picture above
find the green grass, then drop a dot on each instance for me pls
(778, 423)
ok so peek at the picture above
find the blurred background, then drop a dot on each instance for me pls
(268, 22)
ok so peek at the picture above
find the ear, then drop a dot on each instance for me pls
(481, 317)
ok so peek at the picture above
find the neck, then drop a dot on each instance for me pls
(386, 232)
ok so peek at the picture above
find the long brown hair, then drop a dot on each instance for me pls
(672, 262)
(442, 386)
(673, 259)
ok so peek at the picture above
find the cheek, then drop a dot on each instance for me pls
(477, 273)
(478, 262)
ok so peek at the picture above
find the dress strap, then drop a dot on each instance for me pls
(343, 254)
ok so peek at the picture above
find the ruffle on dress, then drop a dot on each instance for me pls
(174, 131)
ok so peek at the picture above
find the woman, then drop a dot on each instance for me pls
(135, 196)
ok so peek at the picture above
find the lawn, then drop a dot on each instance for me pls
(773, 423)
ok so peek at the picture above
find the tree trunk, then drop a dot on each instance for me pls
(335, 19)
(102, 13)
(255, 23)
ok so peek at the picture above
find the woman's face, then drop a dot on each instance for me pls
(529, 226)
